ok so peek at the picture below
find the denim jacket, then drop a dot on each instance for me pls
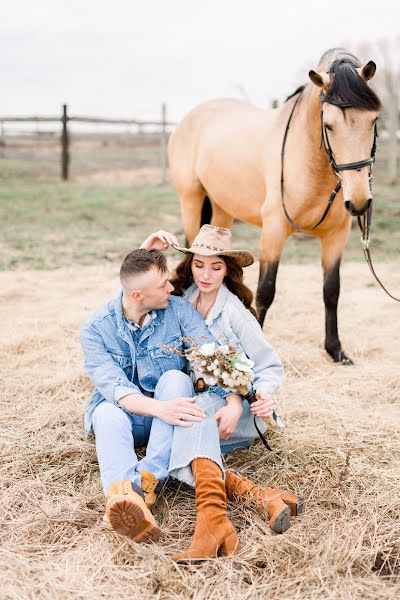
(231, 323)
(111, 355)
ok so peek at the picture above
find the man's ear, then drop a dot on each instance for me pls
(136, 295)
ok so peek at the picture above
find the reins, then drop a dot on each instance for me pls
(365, 225)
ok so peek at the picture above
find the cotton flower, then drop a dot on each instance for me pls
(224, 349)
(243, 363)
(207, 349)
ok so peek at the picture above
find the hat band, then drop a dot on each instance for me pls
(209, 247)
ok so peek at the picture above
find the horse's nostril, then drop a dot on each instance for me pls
(369, 202)
(348, 206)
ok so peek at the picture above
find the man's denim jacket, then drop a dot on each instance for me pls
(110, 353)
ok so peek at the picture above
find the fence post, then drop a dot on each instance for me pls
(274, 103)
(64, 144)
(163, 142)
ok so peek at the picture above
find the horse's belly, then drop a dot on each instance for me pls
(233, 183)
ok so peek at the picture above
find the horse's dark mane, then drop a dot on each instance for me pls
(297, 91)
(347, 88)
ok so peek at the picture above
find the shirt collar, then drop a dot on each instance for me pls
(192, 293)
(133, 326)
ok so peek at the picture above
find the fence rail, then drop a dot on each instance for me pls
(65, 119)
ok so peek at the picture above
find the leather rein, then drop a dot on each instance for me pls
(365, 223)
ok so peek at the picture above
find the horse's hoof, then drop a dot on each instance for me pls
(343, 359)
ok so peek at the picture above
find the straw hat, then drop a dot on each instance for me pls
(216, 241)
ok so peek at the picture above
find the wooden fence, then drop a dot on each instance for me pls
(65, 119)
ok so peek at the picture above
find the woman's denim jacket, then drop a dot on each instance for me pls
(231, 323)
(111, 355)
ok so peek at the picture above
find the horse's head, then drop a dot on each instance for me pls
(349, 111)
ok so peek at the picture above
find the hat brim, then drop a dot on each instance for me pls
(243, 257)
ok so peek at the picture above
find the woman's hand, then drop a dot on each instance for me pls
(228, 416)
(160, 240)
(264, 405)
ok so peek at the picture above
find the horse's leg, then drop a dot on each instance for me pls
(191, 208)
(220, 217)
(332, 247)
(273, 237)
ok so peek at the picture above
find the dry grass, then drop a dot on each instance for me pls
(341, 450)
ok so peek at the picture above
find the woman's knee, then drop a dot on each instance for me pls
(210, 401)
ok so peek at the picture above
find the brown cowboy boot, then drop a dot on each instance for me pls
(128, 514)
(214, 533)
(149, 484)
(278, 504)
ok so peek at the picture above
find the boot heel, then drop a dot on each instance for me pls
(279, 521)
(230, 545)
(295, 503)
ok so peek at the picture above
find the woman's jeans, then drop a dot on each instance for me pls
(170, 449)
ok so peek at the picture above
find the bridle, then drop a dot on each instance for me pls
(365, 224)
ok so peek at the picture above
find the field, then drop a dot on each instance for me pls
(61, 245)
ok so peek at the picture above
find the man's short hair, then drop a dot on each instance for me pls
(141, 261)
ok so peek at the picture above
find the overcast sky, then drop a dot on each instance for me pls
(124, 57)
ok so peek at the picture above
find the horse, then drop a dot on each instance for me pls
(276, 168)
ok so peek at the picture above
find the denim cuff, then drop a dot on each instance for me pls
(124, 390)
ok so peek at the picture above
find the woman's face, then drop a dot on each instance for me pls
(208, 272)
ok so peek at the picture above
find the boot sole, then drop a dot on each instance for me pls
(281, 522)
(127, 518)
(296, 503)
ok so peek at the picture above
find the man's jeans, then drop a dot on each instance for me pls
(118, 433)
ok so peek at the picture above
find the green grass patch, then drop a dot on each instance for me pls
(50, 224)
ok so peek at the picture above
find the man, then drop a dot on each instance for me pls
(138, 379)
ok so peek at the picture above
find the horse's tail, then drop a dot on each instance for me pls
(206, 211)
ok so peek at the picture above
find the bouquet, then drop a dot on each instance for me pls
(225, 367)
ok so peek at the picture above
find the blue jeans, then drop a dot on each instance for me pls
(170, 449)
(118, 433)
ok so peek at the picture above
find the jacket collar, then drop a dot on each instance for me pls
(222, 297)
(123, 330)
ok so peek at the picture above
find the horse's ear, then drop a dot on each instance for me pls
(322, 80)
(367, 71)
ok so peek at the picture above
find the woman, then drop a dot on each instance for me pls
(211, 278)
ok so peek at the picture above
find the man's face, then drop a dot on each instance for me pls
(156, 289)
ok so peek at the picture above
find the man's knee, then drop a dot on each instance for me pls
(110, 416)
(174, 382)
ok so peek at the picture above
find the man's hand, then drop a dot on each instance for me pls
(228, 417)
(160, 240)
(264, 405)
(180, 411)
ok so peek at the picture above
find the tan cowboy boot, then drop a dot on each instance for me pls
(149, 484)
(214, 534)
(278, 504)
(128, 514)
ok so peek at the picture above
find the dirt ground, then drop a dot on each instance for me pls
(341, 450)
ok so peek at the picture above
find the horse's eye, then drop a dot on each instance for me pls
(328, 127)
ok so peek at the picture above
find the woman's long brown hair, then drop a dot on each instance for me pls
(182, 279)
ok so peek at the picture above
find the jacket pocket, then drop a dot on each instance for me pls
(166, 359)
(122, 360)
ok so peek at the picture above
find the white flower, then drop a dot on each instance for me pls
(243, 363)
(207, 349)
(224, 349)
(210, 380)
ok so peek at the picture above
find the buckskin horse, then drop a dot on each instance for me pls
(305, 166)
